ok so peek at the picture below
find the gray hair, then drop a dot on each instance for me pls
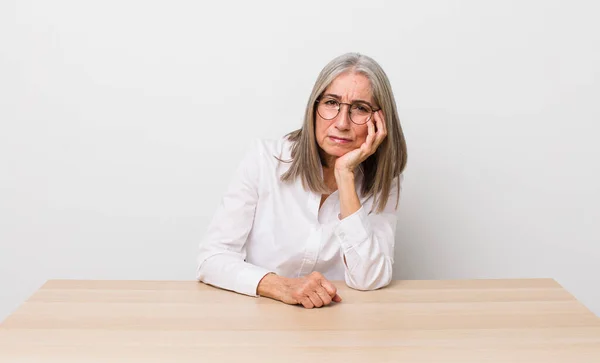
(379, 170)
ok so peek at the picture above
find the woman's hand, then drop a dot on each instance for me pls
(352, 159)
(311, 291)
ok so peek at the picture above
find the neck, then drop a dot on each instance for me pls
(329, 178)
(328, 160)
(328, 169)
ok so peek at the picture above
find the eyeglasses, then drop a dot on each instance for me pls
(360, 112)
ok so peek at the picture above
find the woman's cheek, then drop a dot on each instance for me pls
(361, 135)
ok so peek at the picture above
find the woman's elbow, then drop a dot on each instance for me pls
(377, 277)
(200, 273)
(202, 262)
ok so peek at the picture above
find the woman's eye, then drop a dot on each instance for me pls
(331, 102)
(362, 108)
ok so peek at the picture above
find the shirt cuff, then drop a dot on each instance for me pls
(248, 278)
(353, 229)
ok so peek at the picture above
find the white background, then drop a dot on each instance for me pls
(121, 123)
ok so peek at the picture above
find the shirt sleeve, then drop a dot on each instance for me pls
(367, 243)
(221, 260)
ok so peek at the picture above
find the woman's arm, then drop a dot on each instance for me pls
(221, 260)
(367, 240)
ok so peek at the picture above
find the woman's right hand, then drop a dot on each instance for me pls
(311, 291)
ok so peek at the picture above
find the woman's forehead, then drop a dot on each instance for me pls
(351, 86)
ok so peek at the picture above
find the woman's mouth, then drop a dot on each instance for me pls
(339, 140)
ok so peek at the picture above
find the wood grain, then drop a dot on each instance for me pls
(520, 320)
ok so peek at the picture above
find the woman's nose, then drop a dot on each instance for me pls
(343, 118)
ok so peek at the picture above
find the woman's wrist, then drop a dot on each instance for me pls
(343, 175)
(269, 286)
(349, 201)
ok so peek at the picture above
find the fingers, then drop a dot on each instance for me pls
(315, 299)
(307, 303)
(371, 135)
(316, 291)
(329, 287)
(375, 136)
(379, 119)
(324, 296)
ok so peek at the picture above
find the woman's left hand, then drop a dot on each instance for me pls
(352, 159)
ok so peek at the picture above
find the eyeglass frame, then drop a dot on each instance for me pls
(373, 110)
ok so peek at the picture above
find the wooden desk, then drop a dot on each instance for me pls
(410, 321)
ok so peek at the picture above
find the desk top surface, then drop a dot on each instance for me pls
(521, 320)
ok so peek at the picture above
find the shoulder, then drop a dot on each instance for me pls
(267, 160)
(269, 150)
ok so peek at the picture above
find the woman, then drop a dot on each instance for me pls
(319, 204)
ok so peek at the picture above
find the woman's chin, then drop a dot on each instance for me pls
(336, 150)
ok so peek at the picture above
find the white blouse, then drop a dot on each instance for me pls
(264, 225)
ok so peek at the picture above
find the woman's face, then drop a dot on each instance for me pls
(339, 135)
